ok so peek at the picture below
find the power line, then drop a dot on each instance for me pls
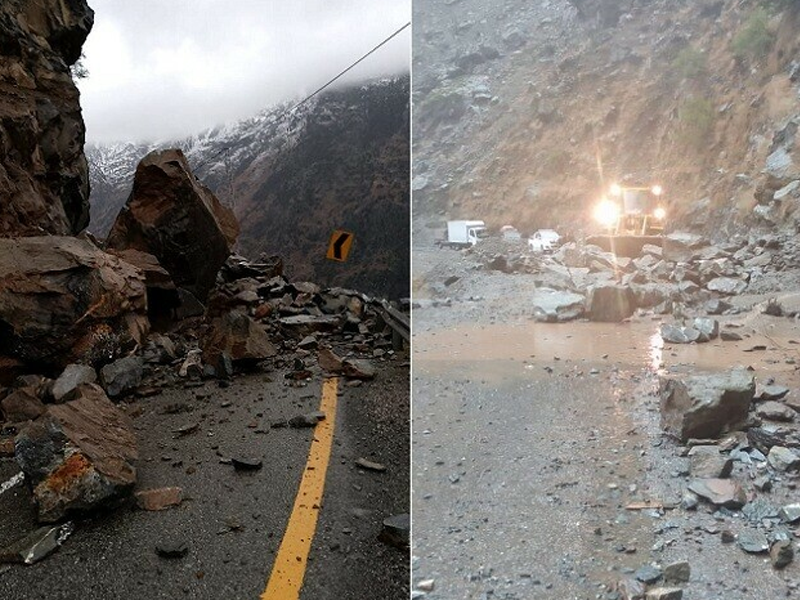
(317, 91)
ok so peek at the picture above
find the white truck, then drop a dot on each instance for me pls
(462, 234)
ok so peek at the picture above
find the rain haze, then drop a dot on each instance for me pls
(162, 70)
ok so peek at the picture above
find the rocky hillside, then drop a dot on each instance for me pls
(338, 162)
(43, 174)
(523, 107)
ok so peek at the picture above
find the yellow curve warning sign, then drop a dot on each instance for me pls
(339, 246)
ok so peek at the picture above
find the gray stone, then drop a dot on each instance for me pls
(728, 286)
(781, 553)
(172, 548)
(790, 513)
(758, 510)
(763, 483)
(307, 420)
(396, 531)
(772, 392)
(551, 306)
(788, 191)
(753, 542)
(690, 501)
(36, 546)
(783, 459)
(122, 376)
(679, 334)
(708, 328)
(704, 406)
(631, 589)
(355, 368)
(71, 378)
(715, 306)
(720, 492)
(246, 463)
(768, 435)
(648, 574)
(775, 411)
(708, 463)
(664, 593)
(780, 165)
(678, 572)
(730, 336)
(681, 247)
(610, 303)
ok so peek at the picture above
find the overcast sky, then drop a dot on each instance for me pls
(161, 69)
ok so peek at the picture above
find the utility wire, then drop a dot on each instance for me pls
(317, 91)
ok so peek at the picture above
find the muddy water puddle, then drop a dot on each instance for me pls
(770, 346)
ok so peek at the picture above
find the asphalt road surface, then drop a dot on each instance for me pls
(233, 522)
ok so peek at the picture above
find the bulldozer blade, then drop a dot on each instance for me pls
(624, 245)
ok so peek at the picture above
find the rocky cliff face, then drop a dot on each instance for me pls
(563, 98)
(44, 183)
(339, 162)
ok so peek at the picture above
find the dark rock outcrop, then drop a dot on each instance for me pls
(177, 219)
(43, 171)
(63, 300)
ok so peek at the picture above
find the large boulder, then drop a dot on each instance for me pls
(173, 216)
(704, 406)
(552, 306)
(610, 303)
(62, 300)
(43, 171)
(78, 456)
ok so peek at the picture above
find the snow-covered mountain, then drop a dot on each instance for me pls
(339, 161)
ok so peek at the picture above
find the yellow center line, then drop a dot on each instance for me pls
(289, 569)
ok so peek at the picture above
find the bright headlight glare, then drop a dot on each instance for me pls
(657, 190)
(606, 213)
(616, 190)
(659, 213)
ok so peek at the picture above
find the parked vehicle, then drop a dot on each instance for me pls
(544, 240)
(510, 234)
(462, 234)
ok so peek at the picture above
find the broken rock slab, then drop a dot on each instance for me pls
(728, 286)
(704, 406)
(62, 300)
(122, 376)
(783, 459)
(159, 499)
(240, 337)
(674, 333)
(71, 378)
(775, 411)
(22, 405)
(551, 306)
(610, 303)
(78, 455)
(720, 492)
(708, 463)
(37, 545)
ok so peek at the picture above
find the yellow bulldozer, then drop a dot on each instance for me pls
(632, 216)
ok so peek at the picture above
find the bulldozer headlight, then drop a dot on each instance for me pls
(657, 190)
(616, 190)
(606, 213)
(659, 213)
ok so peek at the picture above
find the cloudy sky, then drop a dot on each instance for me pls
(160, 69)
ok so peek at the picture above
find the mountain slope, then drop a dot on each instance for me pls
(558, 104)
(340, 161)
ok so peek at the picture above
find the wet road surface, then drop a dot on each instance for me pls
(532, 441)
